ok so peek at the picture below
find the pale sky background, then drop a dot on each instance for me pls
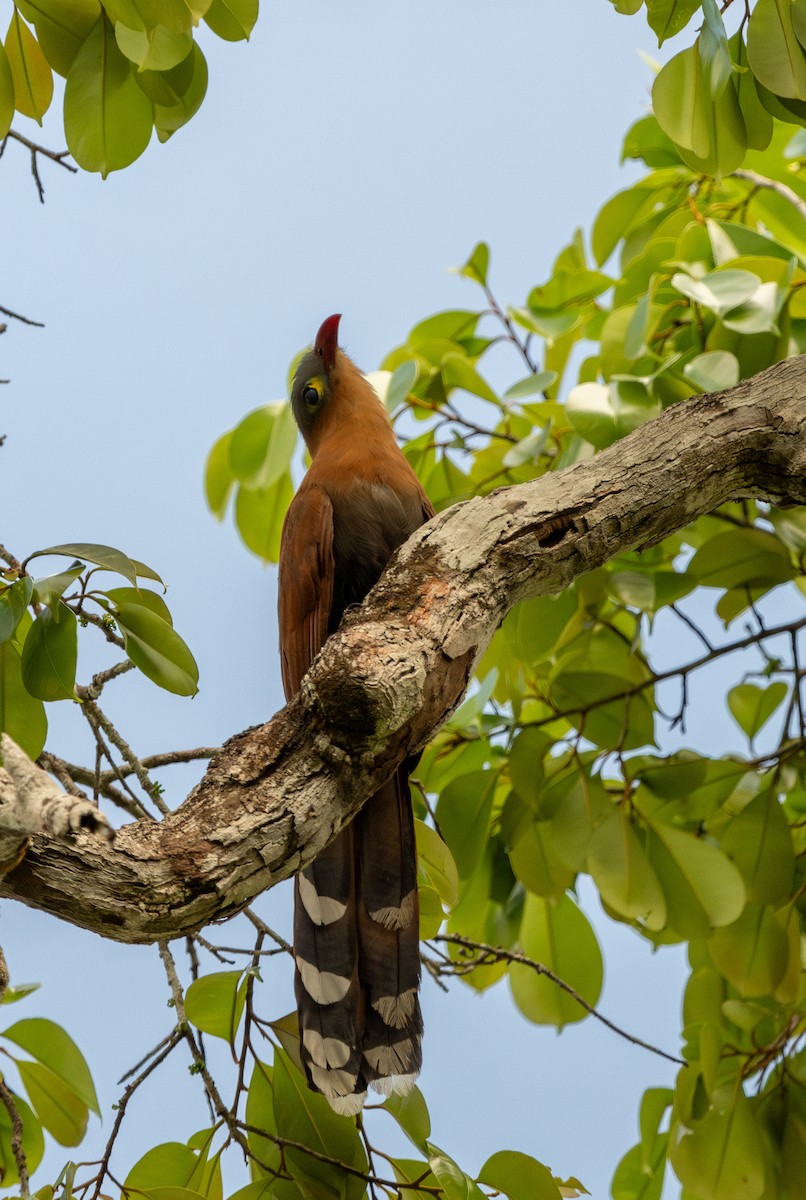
(342, 160)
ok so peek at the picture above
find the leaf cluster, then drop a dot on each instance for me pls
(131, 67)
(39, 621)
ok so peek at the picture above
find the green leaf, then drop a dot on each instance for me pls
(752, 706)
(218, 479)
(531, 385)
(622, 873)
(518, 1176)
(437, 864)
(259, 515)
(50, 654)
(157, 649)
(679, 102)
(477, 265)
(742, 557)
(30, 71)
(261, 445)
(101, 556)
(753, 952)
(775, 55)
(536, 863)
(757, 121)
(62, 1112)
(759, 841)
(6, 93)
(720, 290)
(558, 935)
(638, 1177)
(401, 384)
(713, 50)
(52, 1046)
(214, 1003)
(13, 603)
(170, 1164)
(155, 48)
(306, 1117)
(526, 764)
(61, 26)
(455, 1184)
(189, 96)
(142, 596)
(459, 372)
(714, 371)
(107, 118)
(232, 20)
(721, 1156)
(668, 17)
(51, 588)
(260, 1115)
(12, 994)
(528, 449)
(411, 1113)
(463, 816)
(432, 914)
(590, 410)
(698, 880)
(176, 14)
(646, 141)
(22, 716)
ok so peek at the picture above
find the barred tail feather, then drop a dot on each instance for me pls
(389, 938)
(326, 982)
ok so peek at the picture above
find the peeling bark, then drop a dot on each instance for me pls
(398, 666)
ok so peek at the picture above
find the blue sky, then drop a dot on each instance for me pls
(342, 160)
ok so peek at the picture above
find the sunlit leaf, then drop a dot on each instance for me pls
(518, 1176)
(30, 70)
(214, 1003)
(52, 1046)
(156, 649)
(107, 118)
(558, 935)
(50, 654)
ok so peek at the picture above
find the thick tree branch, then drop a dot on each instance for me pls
(276, 794)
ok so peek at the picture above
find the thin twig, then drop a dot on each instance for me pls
(88, 710)
(773, 185)
(260, 924)
(675, 672)
(499, 954)
(120, 743)
(217, 1105)
(19, 317)
(70, 775)
(168, 1044)
(96, 685)
(9, 559)
(35, 149)
(394, 1185)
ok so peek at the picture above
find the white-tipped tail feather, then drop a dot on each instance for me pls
(323, 910)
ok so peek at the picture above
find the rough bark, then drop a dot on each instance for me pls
(276, 794)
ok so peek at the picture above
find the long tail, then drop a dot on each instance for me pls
(357, 949)
(389, 938)
(329, 1000)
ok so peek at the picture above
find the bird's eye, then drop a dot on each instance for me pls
(311, 396)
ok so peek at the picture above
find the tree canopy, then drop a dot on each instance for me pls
(653, 482)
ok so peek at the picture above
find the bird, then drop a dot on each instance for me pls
(356, 913)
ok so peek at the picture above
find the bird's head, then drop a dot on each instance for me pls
(314, 377)
(330, 397)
